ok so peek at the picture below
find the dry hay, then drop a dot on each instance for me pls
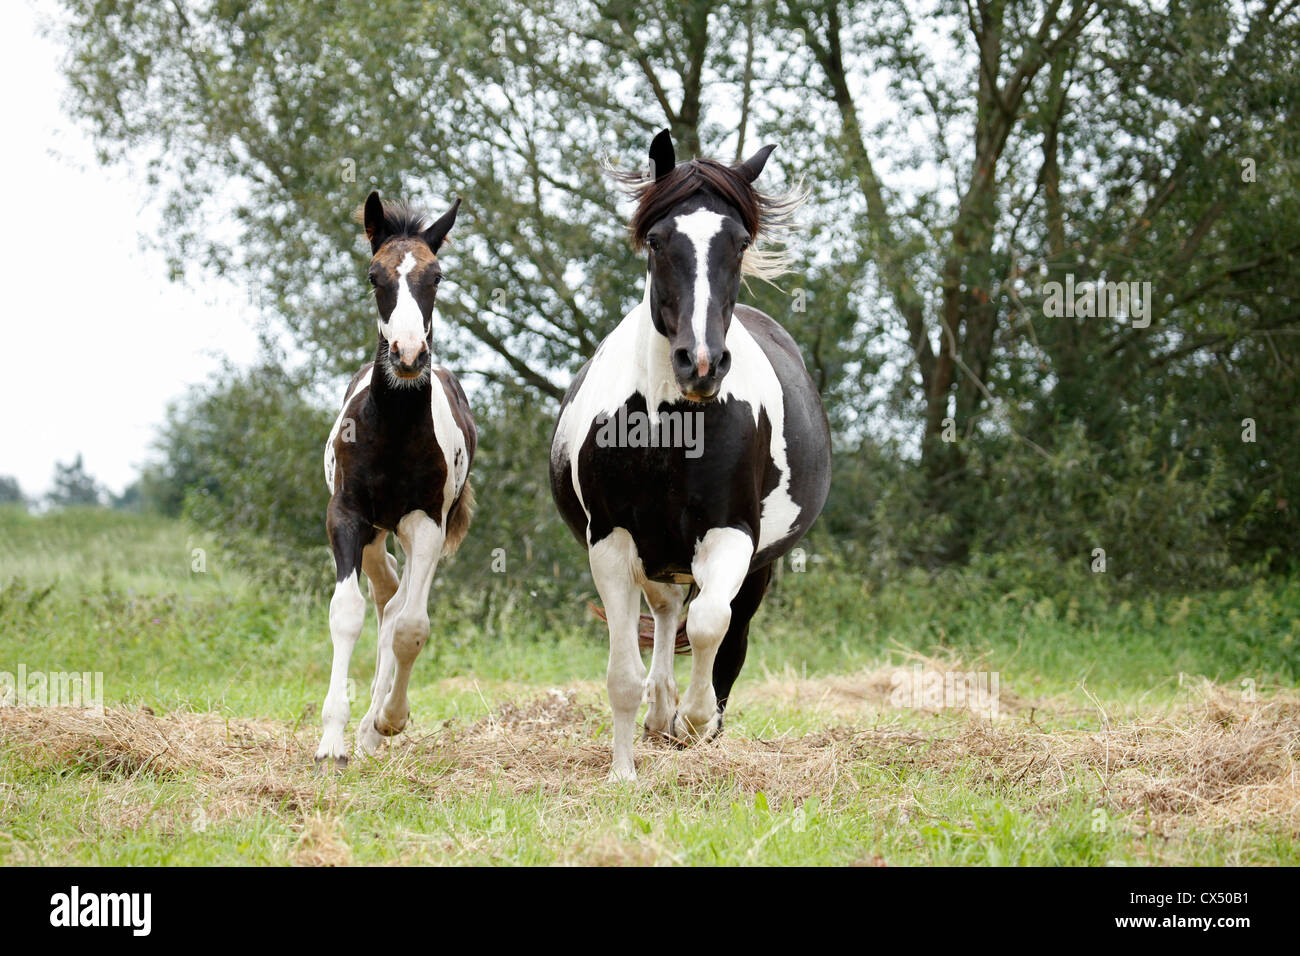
(1215, 762)
(923, 684)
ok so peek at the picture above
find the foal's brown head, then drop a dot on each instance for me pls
(405, 274)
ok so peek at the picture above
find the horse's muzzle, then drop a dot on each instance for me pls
(700, 381)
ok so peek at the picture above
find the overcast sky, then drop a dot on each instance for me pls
(96, 340)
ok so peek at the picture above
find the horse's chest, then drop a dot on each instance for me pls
(669, 480)
(405, 472)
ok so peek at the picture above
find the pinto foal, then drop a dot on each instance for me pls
(397, 461)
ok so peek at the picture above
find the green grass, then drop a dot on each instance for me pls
(119, 594)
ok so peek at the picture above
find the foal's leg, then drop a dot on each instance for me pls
(720, 566)
(665, 602)
(381, 572)
(422, 540)
(616, 569)
(347, 614)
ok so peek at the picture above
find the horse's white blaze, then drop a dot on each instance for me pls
(452, 442)
(635, 359)
(700, 227)
(404, 326)
(363, 383)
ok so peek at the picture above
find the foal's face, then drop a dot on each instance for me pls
(695, 258)
(405, 274)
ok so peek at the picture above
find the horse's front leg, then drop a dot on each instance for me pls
(616, 570)
(347, 614)
(422, 540)
(720, 566)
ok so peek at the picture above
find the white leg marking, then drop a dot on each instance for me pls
(665, 602)
(347, 613)
(616, 569)
(721, 562)
(422, 540)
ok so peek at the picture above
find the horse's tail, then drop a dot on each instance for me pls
(458, 519)
(646, 630)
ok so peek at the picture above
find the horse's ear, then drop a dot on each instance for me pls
(751, 167)
(663, 160)
(436, 234)
(373, 219)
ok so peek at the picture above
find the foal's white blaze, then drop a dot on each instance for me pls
(700, 227)
(405, 324)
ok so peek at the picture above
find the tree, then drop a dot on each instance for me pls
(74, 486)
(10, 492)
(964, 158)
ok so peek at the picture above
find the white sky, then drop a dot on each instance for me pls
(86, 296)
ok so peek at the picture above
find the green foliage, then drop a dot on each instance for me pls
(74, 486)
(1011, 144)
(10, 492)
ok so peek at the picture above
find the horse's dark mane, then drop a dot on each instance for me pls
(760, 213)
(401, 218)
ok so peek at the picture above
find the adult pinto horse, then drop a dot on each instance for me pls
(396, 462)
(657, 513)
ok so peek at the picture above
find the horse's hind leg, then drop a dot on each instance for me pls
(665, 602)
(731, 655)
(720, 567)
(347, 614)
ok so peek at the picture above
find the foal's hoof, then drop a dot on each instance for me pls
(327, 766)
(685, 734)
(390, 728)
(657, 736)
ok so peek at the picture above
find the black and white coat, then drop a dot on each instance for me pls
(656, 518)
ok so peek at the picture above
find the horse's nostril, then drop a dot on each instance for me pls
(724, 363)
(424, 347)
(682, 359)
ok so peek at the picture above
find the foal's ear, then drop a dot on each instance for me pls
(663, 159)
(751, 167)
(436, 234)
(372, 217)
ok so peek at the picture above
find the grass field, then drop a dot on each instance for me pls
(1141, 731)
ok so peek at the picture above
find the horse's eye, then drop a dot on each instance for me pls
(653, 243)
(744, 244)
(371, 278)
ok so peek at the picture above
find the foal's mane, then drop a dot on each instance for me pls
(764, 215)
(403, 220)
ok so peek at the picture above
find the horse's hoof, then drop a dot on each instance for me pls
(387, 728)
(685, 735)
(657, 737)
(622, 777)
(326, 766)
